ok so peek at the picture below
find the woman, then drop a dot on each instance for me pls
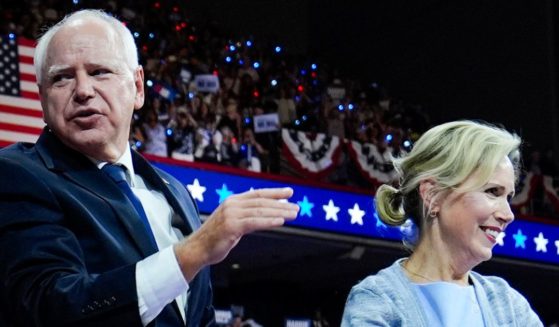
(455, 186)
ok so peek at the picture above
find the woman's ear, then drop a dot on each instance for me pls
(427, 189)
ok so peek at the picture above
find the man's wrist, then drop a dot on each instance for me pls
(189, 258)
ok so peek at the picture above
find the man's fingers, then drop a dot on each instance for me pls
(271, 193)
(248, 213)
(250, 225)
(260, 203)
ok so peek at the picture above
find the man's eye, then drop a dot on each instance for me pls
(60, 77)
(100, 72)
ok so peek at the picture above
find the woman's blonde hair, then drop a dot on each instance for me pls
(447, 154)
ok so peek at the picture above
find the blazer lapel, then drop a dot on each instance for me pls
(185, 220)
(80, 170)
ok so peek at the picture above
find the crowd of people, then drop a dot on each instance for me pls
(186, 121)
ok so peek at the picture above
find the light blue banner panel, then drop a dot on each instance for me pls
(351, 213)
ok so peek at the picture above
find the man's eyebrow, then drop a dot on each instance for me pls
(55, 69)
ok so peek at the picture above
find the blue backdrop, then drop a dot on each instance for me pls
(351, 213)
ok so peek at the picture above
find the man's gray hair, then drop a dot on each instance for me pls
(130, 52)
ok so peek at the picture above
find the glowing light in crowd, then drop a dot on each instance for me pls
(256, 94)
(297, 122)
(249, 43)
(228, 59)
(278, 49)
(138, 144)
(350, 106)
(300, 88)
(407, 143)
(341, 107)
(388, 137)
(247, 120)
(149, 83)
(76, 1)
(157, 5)
(241, 62)
(151, 35)
(232, 48)
(274, 82)
(136, 34)
(256, 64)
(313, 66)
(304, 117)
(190, 95)
(12, 36)
(303, 72)
(169, 132)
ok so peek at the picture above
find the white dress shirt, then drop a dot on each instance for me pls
(159, 279)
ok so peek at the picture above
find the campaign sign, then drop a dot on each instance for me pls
(266, 123)
(207, 83)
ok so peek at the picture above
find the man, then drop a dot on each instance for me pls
(82, 247)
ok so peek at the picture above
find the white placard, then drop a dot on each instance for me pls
(336, 92)
(207, 83)
(266, 123)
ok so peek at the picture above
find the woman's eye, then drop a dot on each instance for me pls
(493, 191)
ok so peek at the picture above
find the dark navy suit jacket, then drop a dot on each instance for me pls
(68, 245)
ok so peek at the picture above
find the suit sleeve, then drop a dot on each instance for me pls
(44, 280)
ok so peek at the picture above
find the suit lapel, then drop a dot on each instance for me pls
(183, 219)
(83, 172)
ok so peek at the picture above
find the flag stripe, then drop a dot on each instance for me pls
(21, 112)
(19, 128)
(27, 42)
(25, 51)
(30, 95)
(12, 137)
(6, 100)
(29, 86)
(26, 60)
(28, 77)
(26, 69)
(25, 121)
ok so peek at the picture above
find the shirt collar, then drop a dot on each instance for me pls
(124, 160)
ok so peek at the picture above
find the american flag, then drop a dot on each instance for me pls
(20, 108)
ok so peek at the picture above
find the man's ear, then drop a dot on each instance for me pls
(427, 189)
(42, 98)
(139, 82)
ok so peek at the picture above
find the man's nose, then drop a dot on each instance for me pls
(84, 87)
